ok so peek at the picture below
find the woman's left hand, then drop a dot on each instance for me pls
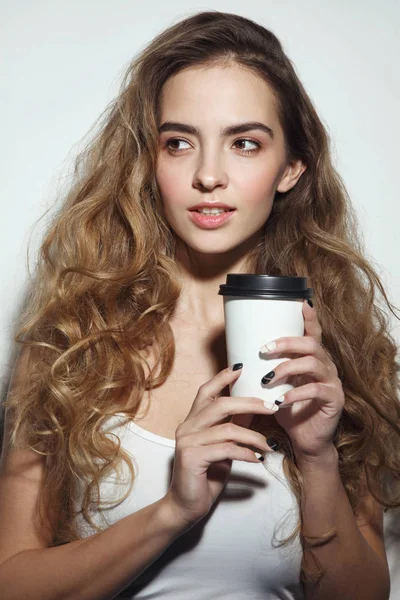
(311, 411)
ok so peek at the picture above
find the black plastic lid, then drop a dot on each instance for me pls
(265, 286)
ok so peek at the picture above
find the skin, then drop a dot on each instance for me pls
(213, 168)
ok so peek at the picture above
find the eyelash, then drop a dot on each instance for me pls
(252, 151)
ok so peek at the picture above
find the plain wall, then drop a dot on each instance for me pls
(61, 65)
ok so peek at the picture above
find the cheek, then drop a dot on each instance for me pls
(257, 187)
(172, 185)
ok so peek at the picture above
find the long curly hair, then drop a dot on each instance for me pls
(106, 284)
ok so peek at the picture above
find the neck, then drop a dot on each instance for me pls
(199, 304)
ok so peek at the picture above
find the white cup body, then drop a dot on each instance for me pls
(249, 324)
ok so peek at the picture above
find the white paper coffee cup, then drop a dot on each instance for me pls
(259, 309)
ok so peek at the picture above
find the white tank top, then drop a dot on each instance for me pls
(230, 554)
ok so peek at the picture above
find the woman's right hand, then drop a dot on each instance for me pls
(206, 446)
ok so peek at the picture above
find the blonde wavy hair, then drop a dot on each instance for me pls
(106, 284)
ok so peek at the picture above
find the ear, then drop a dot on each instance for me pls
(291, 175)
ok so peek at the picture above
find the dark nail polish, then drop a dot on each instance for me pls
(237, 366)
(272, 443)
(310, 303)
(261, 458)
(267, 378)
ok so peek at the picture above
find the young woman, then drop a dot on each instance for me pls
(127, 469)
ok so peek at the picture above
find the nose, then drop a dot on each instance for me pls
(210, 174)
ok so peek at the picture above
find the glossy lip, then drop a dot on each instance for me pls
(210, 221)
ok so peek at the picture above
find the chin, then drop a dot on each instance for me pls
(215, 249)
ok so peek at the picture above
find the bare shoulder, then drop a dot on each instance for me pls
(21, 480)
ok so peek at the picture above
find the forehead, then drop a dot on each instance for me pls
(227, 93)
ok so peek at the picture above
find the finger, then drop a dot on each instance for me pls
(312, 326)
(222, 408)
(327, 397)
(298, 366)
(210, 389)
(299, 345)
(228, 432)
(205, 456)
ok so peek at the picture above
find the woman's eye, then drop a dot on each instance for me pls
(177, 141)
(172, 140)
(249, 150)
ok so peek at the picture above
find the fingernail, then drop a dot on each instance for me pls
(279, 400)
(268, 347)
(310, 303)
(273, 443)
(267, 378)
(259, 456)
(271, 405)
(237, 366)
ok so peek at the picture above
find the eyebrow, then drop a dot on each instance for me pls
(227, 131)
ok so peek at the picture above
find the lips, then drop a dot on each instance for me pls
(198, 210)
(196, 207)
(211, 221)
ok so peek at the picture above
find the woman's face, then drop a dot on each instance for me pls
(242, 170)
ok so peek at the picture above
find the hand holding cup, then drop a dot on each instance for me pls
(206, 445)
